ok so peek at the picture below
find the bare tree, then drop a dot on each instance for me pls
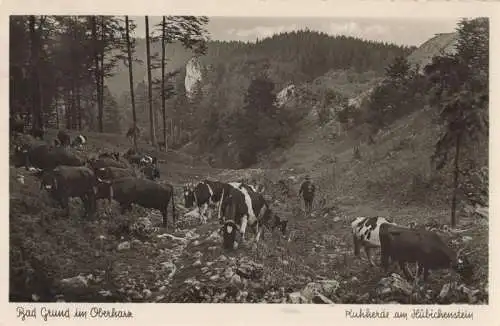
(131, 78)
(150, 86)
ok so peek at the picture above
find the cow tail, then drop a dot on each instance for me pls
(173, 207)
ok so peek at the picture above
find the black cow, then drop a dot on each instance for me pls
(106, 162)
(143, 192)
(244, 206)
(64, 138)
(16, 124)
(113, 155)
(44, 157)
(131, 131)
(79, 141)
(151, 172)
(423, 247)
(205, 193)
(65, 182)
(112, 173)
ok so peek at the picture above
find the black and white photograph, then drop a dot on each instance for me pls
(232, 159)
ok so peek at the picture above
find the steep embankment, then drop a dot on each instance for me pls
(122, 257)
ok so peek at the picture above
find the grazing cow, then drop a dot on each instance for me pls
(79, 141)
(239, 209)
(405, 245)
(139, 159)
(112, 173)
(204, 194)
(64, 138)
(113, 155)
(65, 182)
(16, 124)
(146, 193)
(423, 247)
(151, 172)
(131, 131)
(106, 162)
(44, 157)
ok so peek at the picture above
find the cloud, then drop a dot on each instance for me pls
(262, 31)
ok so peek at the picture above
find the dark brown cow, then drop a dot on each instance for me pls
(44, 157)
(104, 162)
(112, 173)
(424, 247)
(65, 182)
(64, 138)
(143, 192)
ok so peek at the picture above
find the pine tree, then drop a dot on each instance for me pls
(460, 93)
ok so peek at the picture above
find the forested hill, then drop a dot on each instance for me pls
(295, 57)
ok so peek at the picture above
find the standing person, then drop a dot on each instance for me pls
(307, 190)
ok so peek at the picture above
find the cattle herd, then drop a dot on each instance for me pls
(64, 172)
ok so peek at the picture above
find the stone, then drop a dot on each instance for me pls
(235, 279)
(320, 298)
(123, 246)
(296, 297)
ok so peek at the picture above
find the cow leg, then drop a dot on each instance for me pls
(125, 207)
(368, 254)
(65, 205)
(356, 245)
(405, 270)
(209, 213)
(417, 269)
(384, 258)
(258, 232)
(164, 213)
(201, 210)
(425, 272)
(243, 226)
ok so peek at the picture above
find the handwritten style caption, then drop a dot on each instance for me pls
(412, 313)
(26, 313)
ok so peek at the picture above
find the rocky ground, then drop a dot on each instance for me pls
(126, 258)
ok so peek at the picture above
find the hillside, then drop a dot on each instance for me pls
(228, 68)
(130, 257)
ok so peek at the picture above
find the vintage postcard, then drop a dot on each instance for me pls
(330, 162)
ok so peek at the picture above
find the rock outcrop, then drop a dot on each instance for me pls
(193, 76)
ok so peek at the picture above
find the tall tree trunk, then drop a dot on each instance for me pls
(455, 181)
(163, 104)
(67, 110)
(131, 79)
(101, 79)
(150, 90)
(78, 106)
(96, 64)
(35, 90)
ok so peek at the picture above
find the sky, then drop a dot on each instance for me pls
(401, 31)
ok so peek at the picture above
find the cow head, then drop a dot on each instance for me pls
(463, 266)
(230, 235)
(103, 189)
(189, 195)
(48, 182)
(20, 156)
(279, 223)
(151, 172)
